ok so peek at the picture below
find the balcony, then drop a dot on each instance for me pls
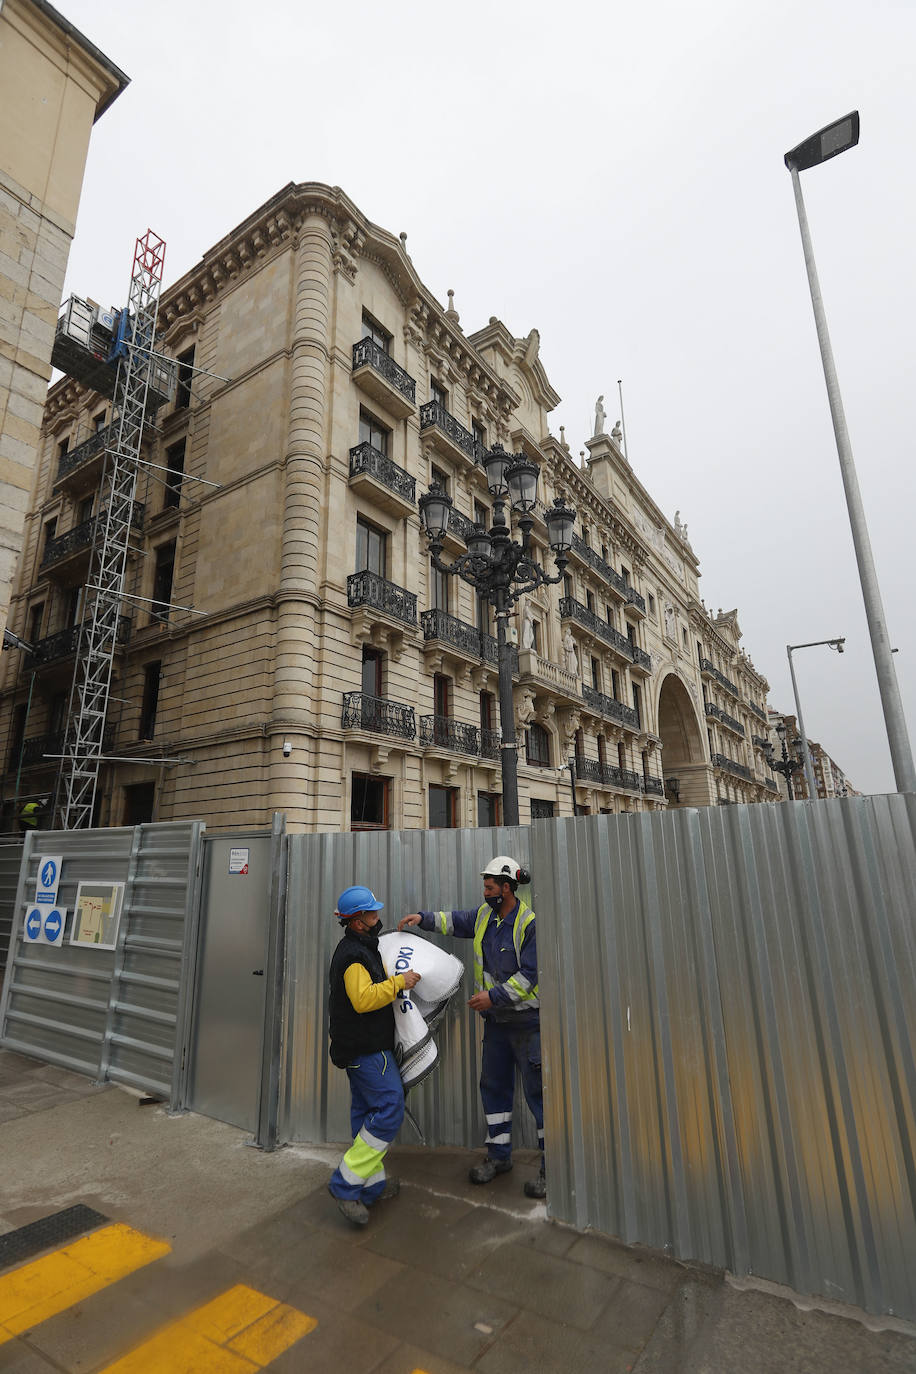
(490, 742)
(368, 589)
(446, 434)
(540, 670)
(759, 742)
(443, 732)
(459, 531)
(636, 604)
(730, 766)
(604, 774)
(770, 784)
(82, 466)
(611, 708)
(713, 672)
(653, 787)
(642, 661)
(570, 609)
(65, 642)
(34, 750)
(760, 714)
(377, 374)
(378, 477)
(69, 552)
(729, 722)
(378, 714)
(587, 555)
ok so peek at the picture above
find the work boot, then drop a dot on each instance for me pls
(536, 1187)
(391, 1189)
(488, 1168)
(355, 1211)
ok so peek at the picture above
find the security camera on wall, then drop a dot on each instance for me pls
(287, 748)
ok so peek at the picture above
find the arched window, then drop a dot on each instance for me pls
(537, 746)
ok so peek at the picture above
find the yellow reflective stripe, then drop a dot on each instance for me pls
(444, 919)
(362, 1159)
(525, 993)
(239, 1332)
(43, 1288)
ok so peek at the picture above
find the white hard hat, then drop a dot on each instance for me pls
(503, 866)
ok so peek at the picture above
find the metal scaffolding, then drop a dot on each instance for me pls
(89, 693)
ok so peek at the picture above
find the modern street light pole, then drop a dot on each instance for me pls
(836, 138)
(502, 571)
(809, 764)
(785, 766)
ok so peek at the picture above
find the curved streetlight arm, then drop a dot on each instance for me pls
(809, 762)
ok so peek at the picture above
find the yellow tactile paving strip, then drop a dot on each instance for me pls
(238, 1332)
(44, 1287)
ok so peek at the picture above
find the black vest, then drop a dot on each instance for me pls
(352, 1032)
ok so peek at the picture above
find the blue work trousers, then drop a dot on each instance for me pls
(376, 1113)
(504, 1047)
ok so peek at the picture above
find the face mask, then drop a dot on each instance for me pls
(495, 902)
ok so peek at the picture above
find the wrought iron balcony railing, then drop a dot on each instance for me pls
(770, 784)
(759, 742)
(82, 535)
(570, 609)
(383, 717)
(604, 774)
(731, 766)
(599, 564)
(443, 732)
(490, 741)
(726, 682)
(368, 353)
(760, 714)
(610, 707)
(634, 599)
(434, 415)
(366, 459)
(85, 451)
(460, 525)
(34, 749)
(66, 642)
(641, 658)
(368, 589)
(653, 787)
(728, 721)
(450, 630)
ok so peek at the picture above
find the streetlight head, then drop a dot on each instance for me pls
(479, 543)
(825, 144)
(495, 464)
(838, 645)
(781, 731)
(798, 747)
(560, 520)
(522, 478)
(434, 511)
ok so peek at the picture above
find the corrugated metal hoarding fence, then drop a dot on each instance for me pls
(10, 859)
(408, 870)
(728, 1019)
(114, 1014)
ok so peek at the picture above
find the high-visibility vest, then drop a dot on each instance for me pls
(528, 997)
(29, 814)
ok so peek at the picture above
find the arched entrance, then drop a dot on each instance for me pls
(684, 754)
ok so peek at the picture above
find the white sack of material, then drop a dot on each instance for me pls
(440, 976)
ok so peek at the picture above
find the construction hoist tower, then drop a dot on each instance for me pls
(142, 380)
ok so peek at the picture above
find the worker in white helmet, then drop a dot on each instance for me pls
(506, 997)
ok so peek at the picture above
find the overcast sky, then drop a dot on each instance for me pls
(614, 177)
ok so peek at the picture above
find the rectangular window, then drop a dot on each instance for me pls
(163, 575)
(98, 421)
(596, 675)
(438, 588)
(487, 808)
(442, 694)
(567, 585)
(75, 605)
(483, 614)
(585, 535)
(684, 636)
(541, 810)
(63, 447)
(372, 431)
(17, 735)
(590, 600)
(174, 460)
(438, 393)
(615, 685)
(537, 746)
(443, 807)
(651, 600)
(373, 664)
(637, 704)
(481, 514)
(609, 614)
(480, 439)
(441, 477)
(631, 635)
(625, 574)
(57, 713)
(36, 616)
(50, 532)
(152, 674)
(374, 331)
(486, 710)
(371, 548)
(185, 377)
(369, 802)
(84, 510)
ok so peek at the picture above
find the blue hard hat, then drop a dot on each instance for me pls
(354, 899)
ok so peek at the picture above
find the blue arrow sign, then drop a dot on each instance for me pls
(54, 924)
(33, 923)
(48, 873)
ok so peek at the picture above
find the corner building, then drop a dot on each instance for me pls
(288, 645)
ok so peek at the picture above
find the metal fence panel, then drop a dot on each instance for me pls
(728, 1014)
(407, 869)
(116, 1015)
(10, 860)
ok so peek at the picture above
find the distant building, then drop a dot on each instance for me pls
(287, 645)
(829, 776)
(54, 85)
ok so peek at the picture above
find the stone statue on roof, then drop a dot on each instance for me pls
(600, 416)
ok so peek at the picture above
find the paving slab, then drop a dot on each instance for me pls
(449, 1319)
(550, 1285)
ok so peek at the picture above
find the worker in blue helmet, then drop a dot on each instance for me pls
(362, 1043)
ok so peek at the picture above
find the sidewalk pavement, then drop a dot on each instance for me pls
(446, 1278)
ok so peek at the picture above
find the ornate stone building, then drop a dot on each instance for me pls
(287, 645)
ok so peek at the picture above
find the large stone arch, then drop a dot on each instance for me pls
(684, 744)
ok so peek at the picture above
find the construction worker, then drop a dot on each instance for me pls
(506, 996)
(362, 1042)
(30, 815)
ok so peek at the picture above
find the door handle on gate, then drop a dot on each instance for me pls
(257, 973)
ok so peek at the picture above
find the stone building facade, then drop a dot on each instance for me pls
(54, 85)
(287, 644)
(829, 777)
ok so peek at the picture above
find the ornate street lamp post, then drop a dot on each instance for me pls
(786, 766)
(502, 570)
